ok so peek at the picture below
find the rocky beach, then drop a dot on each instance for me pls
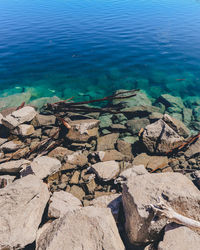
(120, 175)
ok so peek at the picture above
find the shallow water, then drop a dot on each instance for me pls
(90, 48)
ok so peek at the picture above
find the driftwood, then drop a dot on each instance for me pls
(164, 210)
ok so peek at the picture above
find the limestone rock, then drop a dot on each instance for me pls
(13, 166)
(83, 130)
(142, 190)
(86, 228)
(193, 149)
(22, 204)
(5, 180)
(158, 137)
(77, 192)
(61, 203)
(179, 238)
(18, 117)
(44, 120)
(44, 166)
(173, 102)
(24, 130)
(107, 142)
(107, 170)
(60, 153)
(125, 148)
(11, 146)
(139, 111)
(177, 126)
(136, 124)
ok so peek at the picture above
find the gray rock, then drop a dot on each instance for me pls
(158, 137)
(107, 142)
(18, 117)
(105, 121)
(44, 120)
(177, 126)
(196, 112)
(179, 238)
(141, 191)
(107, 170)
(86, 228)
(174, 104)
(187, 116)
(24, 130)
(135, 125)
(61, 202)
(40, 102)
(11, 146)
(193, 149)
(44, 166)
(22, 204)
(13, 166)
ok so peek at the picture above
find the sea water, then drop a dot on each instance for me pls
(90, 48)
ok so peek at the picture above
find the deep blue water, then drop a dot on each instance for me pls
(92, 47)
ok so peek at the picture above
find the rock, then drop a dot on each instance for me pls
(179, 238)
(5, 180)
(14, 100)
(44, 120)
(3, 140)
(83, 130)
(112, 201)
(40, 102)
(11, 146)
(135, 125)
(177, 126)
(61, 202)
(142, 190)
(158, 137)
(18, 117)
(86, 228)
(78, 158)
(77, 192)
(75, 178)
(109, 155)
(174, 104)
(107, 142)
(139, 111)
(187, 116)
(196, 112)
(105, 121)
(13, 166)
(155, 116)
(107, 170)
(22, 204)
(60, 153)
(24, 130)
(140, 99)
(193, 149)
(125, 148)
(130, 139)
(44, 166)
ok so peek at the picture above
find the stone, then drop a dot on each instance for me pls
(60, 153)
(130, 139)
(11, 146)
(40, 102)
(75, 178)
(25, 114)
(153, 117)
(108, 155)
(178, 237)
(22, 204)
(125, 148)
(107, 170)
(24, 130)
(196, 113)
(78, 158)
(112, 201)
(77, 192)
(61, 202)
(173, 102)
(44, 166)
(139, 111)
(187, 116)
(107, 142)
(142, 190)
(193, 149)
(105, 121)
(6, 180)
(13, 166)
(136, 124)
(43, 120)
(3, 140)
(85, 228)
(83, 130)
(177, 126)
(158, 137)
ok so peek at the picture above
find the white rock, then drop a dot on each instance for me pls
(3, 140)
(44, 166)
(179, 238)
(106, 170)
(13, 166)
(22, 204)
(11, 146)
(24, 130)
(82, 229)
(142, 190)
(158, 137)
(61, 203)
(18, 117)
(5, 180)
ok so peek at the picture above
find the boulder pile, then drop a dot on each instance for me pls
(96, 180)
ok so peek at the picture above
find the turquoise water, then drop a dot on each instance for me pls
(90, 48)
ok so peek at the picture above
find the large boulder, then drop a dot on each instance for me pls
(179, 238)
(22, 204)
(61, 202)
(158, 137)
(142, 190)
(44, 166)
(86, 228)
(18, 117)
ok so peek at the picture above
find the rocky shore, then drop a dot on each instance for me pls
(94, 180)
